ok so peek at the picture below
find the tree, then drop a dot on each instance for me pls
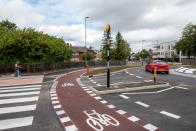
(187, 43)
(122, 49)
(30, 46)
(104, 47)
(144, 54)
(87, 55)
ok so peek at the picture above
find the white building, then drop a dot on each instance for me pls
(165, 50)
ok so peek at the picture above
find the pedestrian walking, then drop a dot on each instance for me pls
(17, 67)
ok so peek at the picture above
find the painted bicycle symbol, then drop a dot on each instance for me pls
(67, 84)
(97, 121)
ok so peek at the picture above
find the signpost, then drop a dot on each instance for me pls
(107, 28)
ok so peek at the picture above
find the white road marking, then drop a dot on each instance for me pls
(150, 127)
(55, 102)
(181, 87)
(133, 118)
(86, 89)
(103, 101)
(131, 74)
(53, 94)
(97, 98)
(92, 94)
(121, 112)
(54, 98)
(89, 91)
(17, 122)
(164, 90)
(65, 119)
(57, 106)
(142, 104)
(94, 82)
(149, 92)
(125, 97)
(20, 94)
(71, 128)
(111, 106)
(170, 114)
(98, 84)
(138, 76)
(17, 87)
(14, 90)
(18, 100)
(17, 109)
(60, 112)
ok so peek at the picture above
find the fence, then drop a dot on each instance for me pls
(189, 61)
(29, 68)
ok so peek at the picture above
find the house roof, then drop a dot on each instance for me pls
(78, 48)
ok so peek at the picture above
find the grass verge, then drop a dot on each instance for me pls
(191, 66)
(112, 69)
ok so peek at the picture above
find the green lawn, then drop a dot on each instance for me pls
(191, 66)
(112, 69)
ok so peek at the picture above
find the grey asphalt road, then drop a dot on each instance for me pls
(170, 109)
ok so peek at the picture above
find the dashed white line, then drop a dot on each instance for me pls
(57, 106)
(121, 112)
(150, 127)
(98, 84)
(125, 97)
(65, 119)
(60, 112)
(97, 98)
(133, 118)
(138, 76)
(92, 94)
(111, 106)
(94, 82)
(170, 114)
(103, 101)
(89, 91)
(131, 74)
(142, 104)
(71, 128)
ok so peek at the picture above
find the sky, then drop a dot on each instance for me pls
(143, 23)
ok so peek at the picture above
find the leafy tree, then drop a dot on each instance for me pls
(87, 55)
(187, 43)
(144, 54)
(104, 46)
(30, 46)
(122, 49)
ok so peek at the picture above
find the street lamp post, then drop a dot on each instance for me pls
(85, 41)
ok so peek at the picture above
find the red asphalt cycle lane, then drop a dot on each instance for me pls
(75, 101)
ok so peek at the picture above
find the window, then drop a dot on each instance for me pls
(160, 63)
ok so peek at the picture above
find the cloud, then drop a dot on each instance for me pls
(19, 12)
(74, 34)
(161, 20)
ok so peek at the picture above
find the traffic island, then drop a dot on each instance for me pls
(120, 88)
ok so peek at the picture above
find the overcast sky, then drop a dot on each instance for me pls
(137, 20)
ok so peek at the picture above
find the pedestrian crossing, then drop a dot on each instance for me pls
(18, 105)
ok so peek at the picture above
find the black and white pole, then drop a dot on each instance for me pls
(107, 28)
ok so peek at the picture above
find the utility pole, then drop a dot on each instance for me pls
(107, 28)
(85, 41)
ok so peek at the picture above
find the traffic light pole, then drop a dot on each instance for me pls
(107, 28)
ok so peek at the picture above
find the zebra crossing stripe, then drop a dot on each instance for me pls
(7, 91)
(18, 87)
(18, 100)
(20, 94)
(17, 109)
(17, 122)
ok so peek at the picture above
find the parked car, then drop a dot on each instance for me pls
(161, 66)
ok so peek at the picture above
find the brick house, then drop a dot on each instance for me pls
(79, 50)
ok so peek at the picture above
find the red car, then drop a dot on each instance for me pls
(161, 66)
